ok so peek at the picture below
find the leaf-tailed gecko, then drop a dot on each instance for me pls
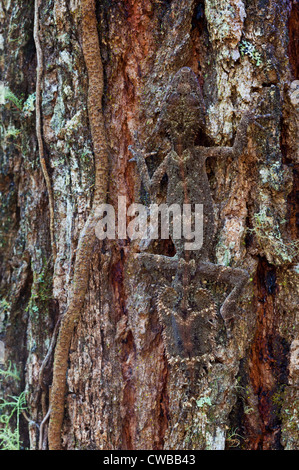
(186, 311)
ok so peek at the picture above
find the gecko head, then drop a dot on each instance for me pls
(183, 109)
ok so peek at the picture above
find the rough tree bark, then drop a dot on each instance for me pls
(105, 72)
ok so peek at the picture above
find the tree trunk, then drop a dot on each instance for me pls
(78, 80)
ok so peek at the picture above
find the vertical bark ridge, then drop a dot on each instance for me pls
(38, 102)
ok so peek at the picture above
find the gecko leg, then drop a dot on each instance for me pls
(159, 262)
(235, 277)
(162, 262)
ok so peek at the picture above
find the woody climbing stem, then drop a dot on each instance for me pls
(92, 57)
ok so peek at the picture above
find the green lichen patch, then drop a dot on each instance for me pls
(247, 48)
(268, 233)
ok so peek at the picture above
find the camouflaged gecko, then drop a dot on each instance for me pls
(188, 312)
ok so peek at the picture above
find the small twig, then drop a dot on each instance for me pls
(44, 363)
(29, 420)
(41, 430)
(50, 350)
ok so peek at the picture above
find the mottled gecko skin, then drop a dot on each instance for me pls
(189, 325)
(188, 312)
